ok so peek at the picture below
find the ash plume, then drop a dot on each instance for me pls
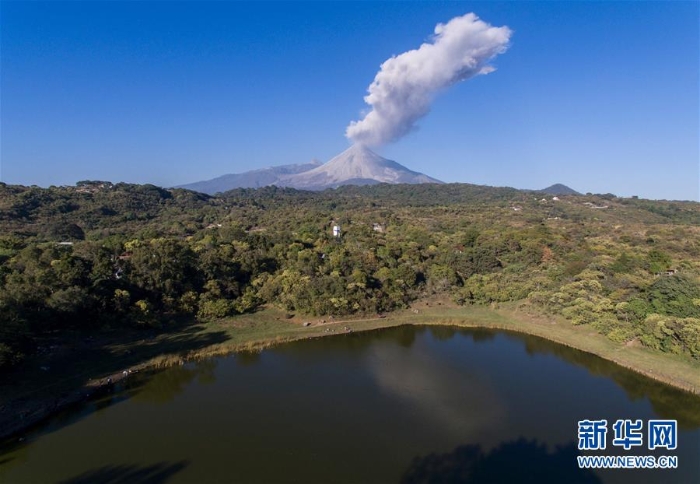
(404, 87)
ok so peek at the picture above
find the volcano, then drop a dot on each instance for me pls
(358, 165)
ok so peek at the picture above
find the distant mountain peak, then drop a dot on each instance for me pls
(559, 189)
(357, 165)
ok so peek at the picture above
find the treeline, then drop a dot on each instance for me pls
(100, 255)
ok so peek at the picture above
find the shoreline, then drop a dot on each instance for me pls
(267, 328)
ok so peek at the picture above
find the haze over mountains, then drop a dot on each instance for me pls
(358, 165)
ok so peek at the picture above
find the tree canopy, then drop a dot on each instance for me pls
(108, 255)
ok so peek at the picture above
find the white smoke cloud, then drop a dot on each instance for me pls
(405, 86)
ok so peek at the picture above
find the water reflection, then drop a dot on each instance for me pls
(357, 408)
(519, 461)
(166, 385)
(437, 389)
(405, 338)
(129, 474)
(668, 402)
(443, 333)
(246, 358)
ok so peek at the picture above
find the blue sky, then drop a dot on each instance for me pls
(601, 96)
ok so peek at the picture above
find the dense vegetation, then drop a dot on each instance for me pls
(100, 255)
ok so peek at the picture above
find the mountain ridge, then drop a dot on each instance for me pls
(249, 179)
(357, 165)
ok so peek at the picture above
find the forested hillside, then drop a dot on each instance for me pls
(99, 255)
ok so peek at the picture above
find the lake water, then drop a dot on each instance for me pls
(409, 404)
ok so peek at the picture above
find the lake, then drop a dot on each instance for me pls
(407, 404)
